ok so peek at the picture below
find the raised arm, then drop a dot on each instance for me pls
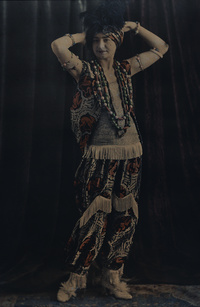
(69, 60)
(157, 47)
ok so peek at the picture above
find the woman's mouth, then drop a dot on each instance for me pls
(101, 51)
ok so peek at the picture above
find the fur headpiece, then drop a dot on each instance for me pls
(107, 18)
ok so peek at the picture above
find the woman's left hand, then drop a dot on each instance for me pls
(129, 25)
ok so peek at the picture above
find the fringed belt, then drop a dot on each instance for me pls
(117, 152)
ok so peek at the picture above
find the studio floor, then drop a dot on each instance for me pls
(143, 295)
(39, 288)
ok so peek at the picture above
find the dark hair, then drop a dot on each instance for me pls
(107, 17)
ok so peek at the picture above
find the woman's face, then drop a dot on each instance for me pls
(103, 46)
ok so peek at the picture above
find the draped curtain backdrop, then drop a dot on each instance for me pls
(39, 154)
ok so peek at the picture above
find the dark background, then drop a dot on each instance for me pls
(39, 154)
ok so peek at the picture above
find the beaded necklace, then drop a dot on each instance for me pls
(102, 92)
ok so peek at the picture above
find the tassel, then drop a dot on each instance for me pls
(125, 203)
(117, 152)
(99, 203)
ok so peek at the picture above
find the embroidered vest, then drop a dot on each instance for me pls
(85, 109)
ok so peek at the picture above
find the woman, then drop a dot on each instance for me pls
(107, 180)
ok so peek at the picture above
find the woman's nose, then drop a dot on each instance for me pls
(101, 44)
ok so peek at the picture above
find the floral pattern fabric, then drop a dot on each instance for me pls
(105, 178)
(97, 238)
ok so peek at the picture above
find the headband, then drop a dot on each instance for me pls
(116, 37)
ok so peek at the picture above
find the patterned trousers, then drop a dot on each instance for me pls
(107, 234)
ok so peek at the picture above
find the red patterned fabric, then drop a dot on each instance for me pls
(85, 110)
(101, 236)
(105, 177)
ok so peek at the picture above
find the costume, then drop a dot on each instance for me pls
(107, 181)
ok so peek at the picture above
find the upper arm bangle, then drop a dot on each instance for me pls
(139, 61)
(155, 50)
(72, 38)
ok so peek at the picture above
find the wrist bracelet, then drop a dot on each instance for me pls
(72, 38)
(156, 51)
(137, 27)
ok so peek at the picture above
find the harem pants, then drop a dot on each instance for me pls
(107, 192)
